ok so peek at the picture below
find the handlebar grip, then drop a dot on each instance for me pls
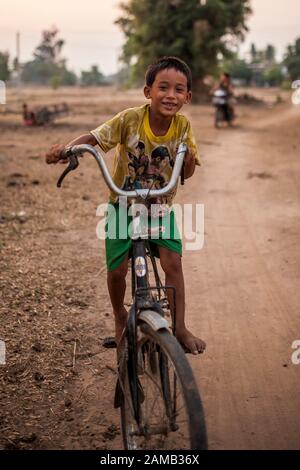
(65, 153)
(73, 164)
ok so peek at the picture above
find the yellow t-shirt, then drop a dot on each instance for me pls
(142, 159)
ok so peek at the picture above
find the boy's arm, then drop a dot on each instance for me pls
(189, 164)
(53, 155)
(107, 136)
(191, 158)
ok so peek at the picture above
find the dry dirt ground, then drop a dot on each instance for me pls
(242, 287)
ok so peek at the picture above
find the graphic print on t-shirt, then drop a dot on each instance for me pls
(148, 173)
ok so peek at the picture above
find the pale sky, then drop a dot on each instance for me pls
(92, 37)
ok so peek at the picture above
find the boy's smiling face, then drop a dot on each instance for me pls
(168, 93)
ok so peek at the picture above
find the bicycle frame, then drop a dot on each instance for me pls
(143, 307)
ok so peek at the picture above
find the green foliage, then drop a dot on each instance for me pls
(92, 77)
(292, 60)
(197, 33)
(240, 70)
(262, 69)
(68, 77)
(273, 76)
(46, 73)
(55, 81)
(4, 66)
(47, 67)
(50, 47)
(39, 72)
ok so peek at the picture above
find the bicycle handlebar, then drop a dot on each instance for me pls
(73, 164)
(72, 153)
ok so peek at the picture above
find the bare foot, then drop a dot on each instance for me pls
(189, 342)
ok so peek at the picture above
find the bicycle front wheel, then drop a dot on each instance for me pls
(171, 412)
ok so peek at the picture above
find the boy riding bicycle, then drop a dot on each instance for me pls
(147, 139)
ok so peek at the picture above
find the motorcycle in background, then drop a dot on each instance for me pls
(224, 112)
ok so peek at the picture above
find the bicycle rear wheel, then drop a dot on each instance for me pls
(171, 410)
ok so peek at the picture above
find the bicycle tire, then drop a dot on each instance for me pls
(162, 428)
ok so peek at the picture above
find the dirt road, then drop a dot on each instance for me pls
(242, 287)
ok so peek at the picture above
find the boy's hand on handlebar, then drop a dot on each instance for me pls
(189, 163)
(189, 156)
(54, 154)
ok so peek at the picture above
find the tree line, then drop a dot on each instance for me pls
(48, 67)
(204, 33)
(263, 68)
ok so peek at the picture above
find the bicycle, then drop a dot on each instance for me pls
(156, 391)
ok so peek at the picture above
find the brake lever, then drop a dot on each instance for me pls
(73, 164)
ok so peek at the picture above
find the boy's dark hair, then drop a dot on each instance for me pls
(132, 166)
(160, 152)
(140, 145)
(168, 62)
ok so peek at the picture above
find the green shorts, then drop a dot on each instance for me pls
(118, 241)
